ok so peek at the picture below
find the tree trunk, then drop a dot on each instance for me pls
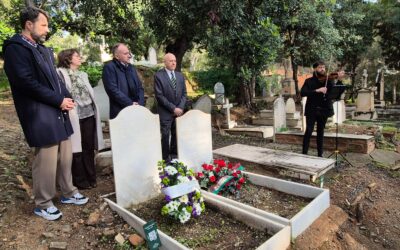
(178, 48)
(253, 88)
(29, 3)
(353, 82)
(245, 94)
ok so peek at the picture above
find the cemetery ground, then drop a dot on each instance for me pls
(364, 212)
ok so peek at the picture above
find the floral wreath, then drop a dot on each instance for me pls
(182, 191)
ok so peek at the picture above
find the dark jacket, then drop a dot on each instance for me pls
(122, 85)
(167, 98)
(37, 91)
(317, 102)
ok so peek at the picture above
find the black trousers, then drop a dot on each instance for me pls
(168, 139)
(310, 122)
(83, 168)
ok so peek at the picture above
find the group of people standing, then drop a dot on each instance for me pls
(59, 115)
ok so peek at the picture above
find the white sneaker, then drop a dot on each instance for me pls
(76, 199)
(50, 213)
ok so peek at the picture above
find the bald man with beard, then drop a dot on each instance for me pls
(170, 92)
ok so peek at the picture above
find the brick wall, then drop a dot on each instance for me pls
(354, 145)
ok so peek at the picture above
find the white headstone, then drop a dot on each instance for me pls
(204, 104)
(136, 149)
(227, 106)
(219, 91)
(290, 106)
(102, 101)
(364, 78)
(279, 114)
(194, 139)
(340, 112)
(152, 56)
(303, 118)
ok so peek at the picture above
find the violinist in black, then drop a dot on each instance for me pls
(318, 106)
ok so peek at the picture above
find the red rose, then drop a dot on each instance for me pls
(200, 175)
(230, 166)
(239, 172)
(234, 174)
(238, 186)
(210, 167)
(217, 170)
(212, 178)
(216, 161)
(221, 164)
(204, 166)
(241, 180)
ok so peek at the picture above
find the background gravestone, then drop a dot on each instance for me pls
(152, 56)
(194, 138)
(136, 149)
(290, 106)
(102, 101)
(204, 104)
(219, 91)
(279, 114)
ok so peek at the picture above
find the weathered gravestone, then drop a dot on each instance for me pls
(102, 101)
(219, 91)
(152, 56)
(204, 104)
(227, 106)
(339, 109)
(194, 139)
(136, 149)
(279, 114)
(293, 120)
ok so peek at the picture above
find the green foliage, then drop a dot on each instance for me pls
(387, 19)
(94, 73)
(208, 78)
(178, 24)
(246, 40)
(5, 33)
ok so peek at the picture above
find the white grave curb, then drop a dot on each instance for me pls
(302, 220)
(279, 241)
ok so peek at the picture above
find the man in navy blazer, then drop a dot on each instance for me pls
(42, 103)
(121, 81)
(170, 92)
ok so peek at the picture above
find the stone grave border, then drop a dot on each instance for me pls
(279, 241)
(303, 219)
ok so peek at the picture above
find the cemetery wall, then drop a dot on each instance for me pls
(350, 144)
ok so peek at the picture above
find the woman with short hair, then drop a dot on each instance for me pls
(85, 119)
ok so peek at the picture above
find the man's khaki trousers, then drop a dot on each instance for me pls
(52, 164)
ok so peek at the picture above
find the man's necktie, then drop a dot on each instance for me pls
(173, 80)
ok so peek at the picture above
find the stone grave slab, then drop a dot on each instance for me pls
(204, 104)
(388, 158)
(279, 241)
(303, 219)
(194, 138)
(102, 101)
(136, 149)
(310, 166)
(259, 131)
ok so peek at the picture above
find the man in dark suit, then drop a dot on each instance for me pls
(318, 106)
(42, 103)
(121, 81)
(170, 92)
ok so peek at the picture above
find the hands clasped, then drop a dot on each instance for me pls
(67, 104)
(178, 112)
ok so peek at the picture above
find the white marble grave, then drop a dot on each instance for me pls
(279, 114)
(290, 106)
(102, 101)
(194, 139)
(340, 112)
(152, 56)
(136, 149)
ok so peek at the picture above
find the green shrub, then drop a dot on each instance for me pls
(94, 73)
(208, 78)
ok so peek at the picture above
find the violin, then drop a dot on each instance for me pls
(334, 76)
